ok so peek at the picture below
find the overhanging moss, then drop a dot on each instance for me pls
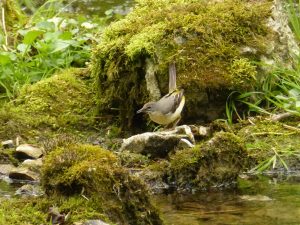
(64, 101)
(205, 38)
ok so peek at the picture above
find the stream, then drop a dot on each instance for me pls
(260, 200)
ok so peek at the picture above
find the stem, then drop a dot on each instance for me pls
(4, 26)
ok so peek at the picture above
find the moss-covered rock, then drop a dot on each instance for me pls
(216, 163)
(63, 101)
(206, 39)
(97, 174)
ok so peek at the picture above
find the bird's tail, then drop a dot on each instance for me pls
(172, 77)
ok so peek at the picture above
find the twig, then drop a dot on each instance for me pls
(278, 117)
(291, 127)
(4, 26)
(267, 133)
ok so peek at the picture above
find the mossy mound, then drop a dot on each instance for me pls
(97, 174)
(273, 146)
(216, 163)
(34, 211)
(206, 39)
(63, 101)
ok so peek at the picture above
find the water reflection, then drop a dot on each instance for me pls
(257, 201)
(101, 8)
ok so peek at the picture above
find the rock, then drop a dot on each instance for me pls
(23, 173)
(29, 190)
(5, 169)
(91, 222)
(55, 216)
(215, 163)
(28, 152)
(184, 143)
(158, 144)
(7, 144)
(32, 163)
(260, 198)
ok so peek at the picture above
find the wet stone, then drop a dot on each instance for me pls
(23, 173)
(7, 144)
(27, 151)
(6, 168)
(158, 144)
(30, 190)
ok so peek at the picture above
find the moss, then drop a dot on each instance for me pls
(34, 211)
(264, 139)
(215, 163)
(135, 160)
(8, 156)
(97, 174)
(13, 13)
(63, 101)
(205, 38)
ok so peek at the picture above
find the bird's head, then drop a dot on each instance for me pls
(148, 108)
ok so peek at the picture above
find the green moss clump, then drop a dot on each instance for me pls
(96, 173)
(215, 163)
(34, 211)
(63, 101)
(205, 38)
(13, 13)
(133, 160)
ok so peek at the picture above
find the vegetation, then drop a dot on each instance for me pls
(57, 103)
(275, 143)
(36, 46)
(207, 52)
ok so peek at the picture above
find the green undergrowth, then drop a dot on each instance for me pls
(90, 171)
(64, 102)
(274, 146)
(204, 38)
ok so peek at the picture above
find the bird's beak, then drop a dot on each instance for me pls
(140, 110)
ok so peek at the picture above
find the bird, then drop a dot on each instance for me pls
(167, 110)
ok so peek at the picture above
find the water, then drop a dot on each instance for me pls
(259, 201)
(7, 189)
(101, 8)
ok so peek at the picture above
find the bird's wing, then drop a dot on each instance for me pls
(172, 77)
(170, 102)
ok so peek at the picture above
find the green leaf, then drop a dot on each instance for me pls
(46, 26)
(4, 59)
(23, 47)
(67, 35)
(60, 45)
(31, 36)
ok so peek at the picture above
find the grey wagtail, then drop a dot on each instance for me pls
(167, 110)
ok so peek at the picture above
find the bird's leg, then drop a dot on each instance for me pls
(173, 124)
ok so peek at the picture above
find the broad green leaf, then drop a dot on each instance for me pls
(46, 26)
(67, 35)
(60, 45)
(31, 36)
(4, 59)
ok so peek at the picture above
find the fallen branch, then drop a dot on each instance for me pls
(278, 117)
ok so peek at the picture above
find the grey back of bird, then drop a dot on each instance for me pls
(172, 77)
